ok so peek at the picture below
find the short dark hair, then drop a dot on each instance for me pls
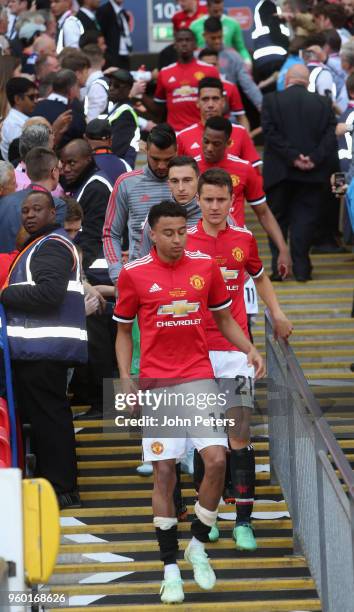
(184, 160)
(93, 53)
(41, 192)
(183, 31)
(206, 52)
(213, 82)
(220, 124)
(18, 86)
(89, 38)
(39, 163)
(212, 25)
(318, 38)
(215, 176)
(75, 59)
(334, 12)
(333, 39)
(74, 210)
(350, 84)
(162, 136)
(63, 81)
(166, 208)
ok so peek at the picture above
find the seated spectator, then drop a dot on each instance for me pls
(99, 136)
(65, 91)
(22, 95)
(43, 170)
(97, 86)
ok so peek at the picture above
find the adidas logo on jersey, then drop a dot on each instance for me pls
(195, 145)
(154, 288)
(172, 79)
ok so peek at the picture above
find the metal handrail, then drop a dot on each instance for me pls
(320, 421)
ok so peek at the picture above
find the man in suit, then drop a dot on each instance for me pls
(114, 23)
(300, 151)
(65, 96)
(87, 15)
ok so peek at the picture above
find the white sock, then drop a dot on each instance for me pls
(196, 543)
(172, 571)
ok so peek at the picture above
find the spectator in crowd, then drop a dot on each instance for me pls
(37, 135)
(92, 189)
(231, 65)
(321, 79)
(45, 64)
(39, 299)
(27, 35)
(232, 33)
(211, 103)
(22, 95)
(78, 62)
(65, 91)
(122, 117)
(15, 7)
(97, 86)
(345, 123)
(99, 136)
(4, 21)
(332, 45)
(114, 22)
(134, 194)
(347, 63)
(328, 16)
(91, 37)
(73, 218)
(44, 45)
(7, 179)
(190, 11)
(87, 15)
(9, 67)
(298, 159)
(69, 28)
(293, 57)
(176, 89)
(349, 13)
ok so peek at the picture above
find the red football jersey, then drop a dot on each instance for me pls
(177, 86)
(172, 302)
(233, 98)
(189, 142)
(235, 251)
(182, 20)
(248, 184)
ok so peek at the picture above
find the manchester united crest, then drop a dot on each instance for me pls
(235, 180)
(199, 75)
(157, 448)
(197, 281)
(238, 254)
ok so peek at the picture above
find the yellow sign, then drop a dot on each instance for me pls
(178, 308)
(237, 254)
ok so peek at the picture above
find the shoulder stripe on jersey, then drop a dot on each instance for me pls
(237, 126)
(110, 214)
(198, 158)
(192, 230)
(187, 129)
(255, 202)
(138, 262)
(197, 255)
(159, 101)
(121, 319)
(169, 66)
(259, 273)
(258, 162)
(238, 159)
(237, 228)
(221, 306)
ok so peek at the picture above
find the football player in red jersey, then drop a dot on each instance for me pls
(235, 250)
(171, 290)
(177, 84)
(190, 11)
(246, 182)
(211, 103)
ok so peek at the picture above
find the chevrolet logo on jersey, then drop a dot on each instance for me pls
(229, 274)
(179, 308)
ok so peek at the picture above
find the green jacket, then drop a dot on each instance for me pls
(233, 36)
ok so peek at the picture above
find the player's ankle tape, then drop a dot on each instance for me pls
(165, 522)
(207, 517)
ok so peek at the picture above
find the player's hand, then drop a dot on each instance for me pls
(283, 328)
(91, 304)
(93, 292)
(256, 360)
(284, 263)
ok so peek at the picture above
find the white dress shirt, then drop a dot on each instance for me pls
(70, 29)
(11, 129)
(96, 98)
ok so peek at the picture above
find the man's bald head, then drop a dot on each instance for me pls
(76, 157)
(297, 75)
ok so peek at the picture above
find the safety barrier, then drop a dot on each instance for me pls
(304, 457)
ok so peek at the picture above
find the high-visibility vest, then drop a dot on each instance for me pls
(101, 81)
(315, 72)
(59, 334)
(116, 112)
(345, 142)
(264, 48)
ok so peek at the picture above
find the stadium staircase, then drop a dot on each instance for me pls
(109, 559)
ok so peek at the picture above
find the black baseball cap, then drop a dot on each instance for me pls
(122, 75)
(98, 129)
